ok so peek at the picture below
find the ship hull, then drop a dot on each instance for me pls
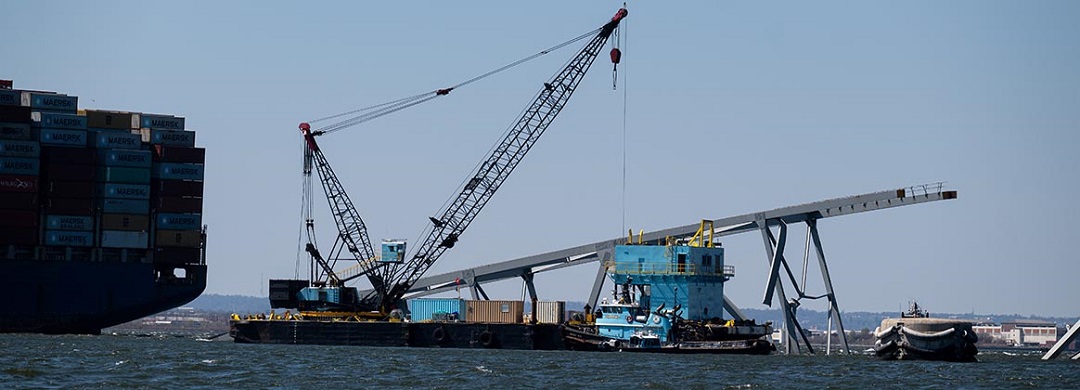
(83, 297)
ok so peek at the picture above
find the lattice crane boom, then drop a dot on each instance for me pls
(448, 226)
(352, 232)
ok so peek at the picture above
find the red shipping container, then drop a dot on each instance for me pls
(15, 114)
(186, 188)
(69, 172)
(19, 218)
(179, 238)
(178, 154)
(63, 155)
(70, 206)
(125, 222)
(25, 201)
(176, 256)
(175, 204)
(19, 236)
(70, 189)
(14, 183)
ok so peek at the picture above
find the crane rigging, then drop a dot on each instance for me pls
(391, 275)
(365, 114)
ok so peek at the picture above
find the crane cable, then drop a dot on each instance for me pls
(621, 42)
(378, 110)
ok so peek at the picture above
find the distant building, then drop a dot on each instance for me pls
(1021, 333)
(180, 315)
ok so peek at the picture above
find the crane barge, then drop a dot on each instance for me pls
(330, 312)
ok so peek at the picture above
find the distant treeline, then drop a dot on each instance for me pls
(230, 304)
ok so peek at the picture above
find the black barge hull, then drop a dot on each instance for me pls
(399, 334)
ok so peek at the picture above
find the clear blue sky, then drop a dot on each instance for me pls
(732, 108)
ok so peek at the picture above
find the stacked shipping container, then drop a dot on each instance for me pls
(123, 183)
(176, 187)
(19, 177)
(67, 194)
(97, 185)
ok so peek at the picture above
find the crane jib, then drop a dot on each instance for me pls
(610, 26)
(309, 138)
(493, 171)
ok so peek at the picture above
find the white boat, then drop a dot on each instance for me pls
(916, 336)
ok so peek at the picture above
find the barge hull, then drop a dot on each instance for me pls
(399, 334)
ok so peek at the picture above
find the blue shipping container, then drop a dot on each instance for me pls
(125, 158)
(124, 206)
(17, 131)
(10, 97)
(59, 121)
(63, 137)
(19, 148)
(125, 191)
(69, 222)
(162, 122)
(115, 139)
(177, 171)
(426, 309)
(171, 221)
(173, 138)
(124, 175)
(50, 101)
(124, 239)
(68, 238)
(19, 166)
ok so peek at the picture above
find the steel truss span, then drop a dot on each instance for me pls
(765, 222)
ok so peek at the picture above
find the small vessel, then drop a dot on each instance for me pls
(685, 276)
(916, 336)
(630, 328)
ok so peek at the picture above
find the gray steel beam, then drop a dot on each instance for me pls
(598, 285)
(724, 226)
(528, 278)
(811, 226)
(478, 292)
(791, 324)
(1062, 342)
(733, 310)
(776, 257)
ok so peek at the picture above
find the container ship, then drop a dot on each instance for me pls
(100, 214)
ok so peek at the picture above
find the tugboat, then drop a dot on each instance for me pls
(631, 328)
(916, 336)
(686, 276)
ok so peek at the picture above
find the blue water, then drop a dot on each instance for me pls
(113, 362)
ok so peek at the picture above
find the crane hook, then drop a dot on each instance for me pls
(616, 56)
